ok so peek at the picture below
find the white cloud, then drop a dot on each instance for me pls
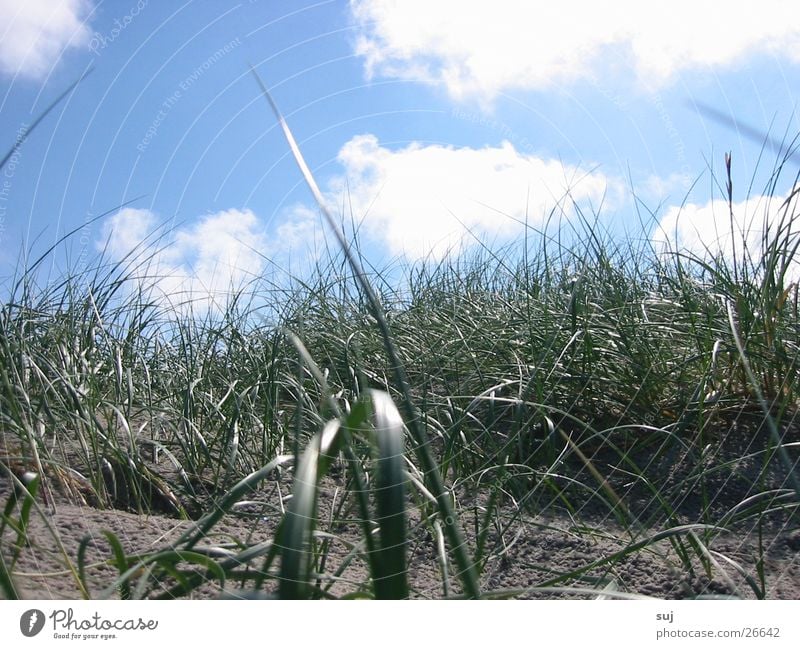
(198, 265)
(428, 200)
(127, 231)
(36, 32)
(484, 48)
(658, 189)
(300, 237)
(708, 231)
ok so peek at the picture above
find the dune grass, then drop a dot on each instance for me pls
(446, 403)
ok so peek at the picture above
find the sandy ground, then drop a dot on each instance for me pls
(526, 552)
(533, 550)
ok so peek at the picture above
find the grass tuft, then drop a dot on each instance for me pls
(362, 427)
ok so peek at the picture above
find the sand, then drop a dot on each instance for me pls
(528, 554)
(534, 540)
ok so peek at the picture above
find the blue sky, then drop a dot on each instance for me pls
(435, 123)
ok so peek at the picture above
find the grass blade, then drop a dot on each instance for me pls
(455, 535)
(389, 569)
(39, 119)
(122, 563)
(298, 524)
(7, 585)
(195, 534)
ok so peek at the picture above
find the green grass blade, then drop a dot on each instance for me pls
(390, 570)
(297, 527)
(81, 560)
(455, 535)
(32, 489)
(122, 563)
(7, 586)
(189, 538)
(41, 117)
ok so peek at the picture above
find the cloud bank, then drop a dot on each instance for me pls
(481, 49)
(425, 201)
(707, 231)
(36, 32)
(199, 266)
